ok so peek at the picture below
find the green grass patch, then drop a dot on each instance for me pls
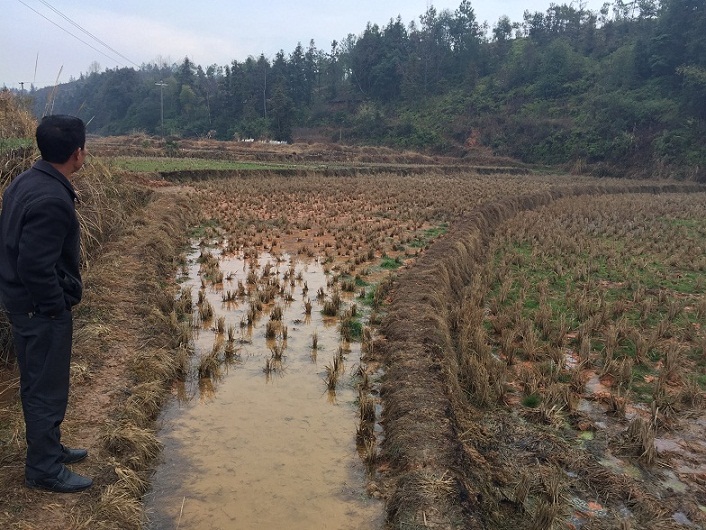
(531, 304)
(355, 327)
(13, 143)
(156, 164)
(702, 381)
(532, 401)
(654, 355)
(641, 388)
(522, 249)
(205, 228)
(369, 299)
(423, 239)
(437, 231)
(627, 349)
(683, 282)
(643, 392)
(389, 263)
(360, 282)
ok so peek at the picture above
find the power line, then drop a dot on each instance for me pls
(78, 26)
(74, 36)
(67, 31)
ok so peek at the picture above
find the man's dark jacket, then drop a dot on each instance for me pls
(39, 243)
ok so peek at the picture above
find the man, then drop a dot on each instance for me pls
(39, 283)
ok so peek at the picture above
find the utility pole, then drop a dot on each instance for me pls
(22, 85)
(264, 93)
(161, 86)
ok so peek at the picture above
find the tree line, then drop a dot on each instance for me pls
(621, 87)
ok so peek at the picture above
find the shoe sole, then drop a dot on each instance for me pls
(35, 486)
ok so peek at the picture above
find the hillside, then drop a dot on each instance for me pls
(616, 92)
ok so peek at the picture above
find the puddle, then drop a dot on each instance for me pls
(672, 483)
(682, 519)
(618, 466)
(595, 387)
(584, 511)
(260, 451)
(682, 448)
(663, 445)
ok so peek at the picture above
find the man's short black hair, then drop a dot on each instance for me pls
(58, 136)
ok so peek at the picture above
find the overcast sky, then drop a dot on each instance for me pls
(33, 49)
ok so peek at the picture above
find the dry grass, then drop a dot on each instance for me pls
(16, 120)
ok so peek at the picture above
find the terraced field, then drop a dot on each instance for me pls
(496, 348)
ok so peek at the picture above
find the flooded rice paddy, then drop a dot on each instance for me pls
(681, 451)
(262, 443)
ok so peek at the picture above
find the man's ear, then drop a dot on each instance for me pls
(76, 158)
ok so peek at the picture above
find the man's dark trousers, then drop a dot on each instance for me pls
(43, 347)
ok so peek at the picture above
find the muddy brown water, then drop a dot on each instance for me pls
(253, 450)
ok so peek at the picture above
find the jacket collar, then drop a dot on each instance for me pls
(46, 167)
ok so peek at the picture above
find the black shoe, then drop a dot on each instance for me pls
(66, 482)
(71, 456)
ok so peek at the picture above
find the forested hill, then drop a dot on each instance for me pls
(620, 89)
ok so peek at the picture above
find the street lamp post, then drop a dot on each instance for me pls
(161, 86)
